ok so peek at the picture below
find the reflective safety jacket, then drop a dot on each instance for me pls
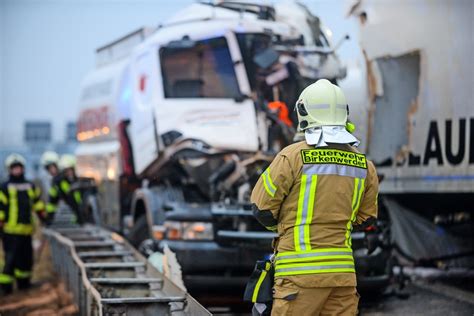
(66, 190)
(312, 197)
(18, 200)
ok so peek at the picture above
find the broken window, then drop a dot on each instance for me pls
(203, 70)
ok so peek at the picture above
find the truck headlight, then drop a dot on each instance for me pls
(189, 230)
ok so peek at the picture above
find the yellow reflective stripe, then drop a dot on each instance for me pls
(319, 250)
(20, 274)
(53, 192)
(3, 198)
(315, 264)
(272, 228)
(356, 198)
(37, 192)
(38, 206)
(77, 197)
(268, 183)
(259, 282)
(2, 215)
(18, 229)
(50, 208)
(13, 210)
(31, 194)
(336, 270)
(5, 278)
(319, 258)
(299, 214)
(310, 208)
(64, 186)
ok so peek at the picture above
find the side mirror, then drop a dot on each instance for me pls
(266, 58)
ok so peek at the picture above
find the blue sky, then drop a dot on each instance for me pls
(47, 47)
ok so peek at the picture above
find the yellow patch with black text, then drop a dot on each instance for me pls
(333, 156)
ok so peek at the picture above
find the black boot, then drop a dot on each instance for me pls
(6, 289)
(23, 284)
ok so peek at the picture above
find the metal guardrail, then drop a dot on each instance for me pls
(107, 276)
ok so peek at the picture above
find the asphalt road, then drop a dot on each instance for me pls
(422, 300)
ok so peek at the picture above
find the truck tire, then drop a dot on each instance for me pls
(139, 232)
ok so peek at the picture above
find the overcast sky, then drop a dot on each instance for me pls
(47, 47)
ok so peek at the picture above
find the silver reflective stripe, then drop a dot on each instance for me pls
(304, 220)
(342, 266)
(342, 106)
(356, 202)
(341, 170)
(318, 254)
(318, 106)
(270, 185)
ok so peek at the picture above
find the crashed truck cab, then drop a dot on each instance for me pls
(193, 123)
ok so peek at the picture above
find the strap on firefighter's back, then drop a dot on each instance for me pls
(259, 288)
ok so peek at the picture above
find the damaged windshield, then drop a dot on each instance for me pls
(204, 70)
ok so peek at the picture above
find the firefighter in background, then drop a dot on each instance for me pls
(65, 187)
(49, 162)
(19, 199)
(312, 194)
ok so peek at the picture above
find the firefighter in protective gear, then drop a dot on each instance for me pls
(19, 199)
(49, 161)
(312, 194)
(65, 187)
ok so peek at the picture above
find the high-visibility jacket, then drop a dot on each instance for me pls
(18, 200)
(311, 197)
(66, 190)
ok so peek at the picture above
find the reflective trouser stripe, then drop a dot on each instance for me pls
(356, 197)
(313, 268)
(268, 183)
(5, 278)
(20, 274)
(50, 208)
(259, 282)
(304, 214)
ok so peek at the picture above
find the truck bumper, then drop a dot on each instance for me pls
(208, 264)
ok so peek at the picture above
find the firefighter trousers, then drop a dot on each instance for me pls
(18, 253)
(290, 299)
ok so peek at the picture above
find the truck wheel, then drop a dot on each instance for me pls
(139, 232)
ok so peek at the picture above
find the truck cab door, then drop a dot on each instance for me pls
(143, 123)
